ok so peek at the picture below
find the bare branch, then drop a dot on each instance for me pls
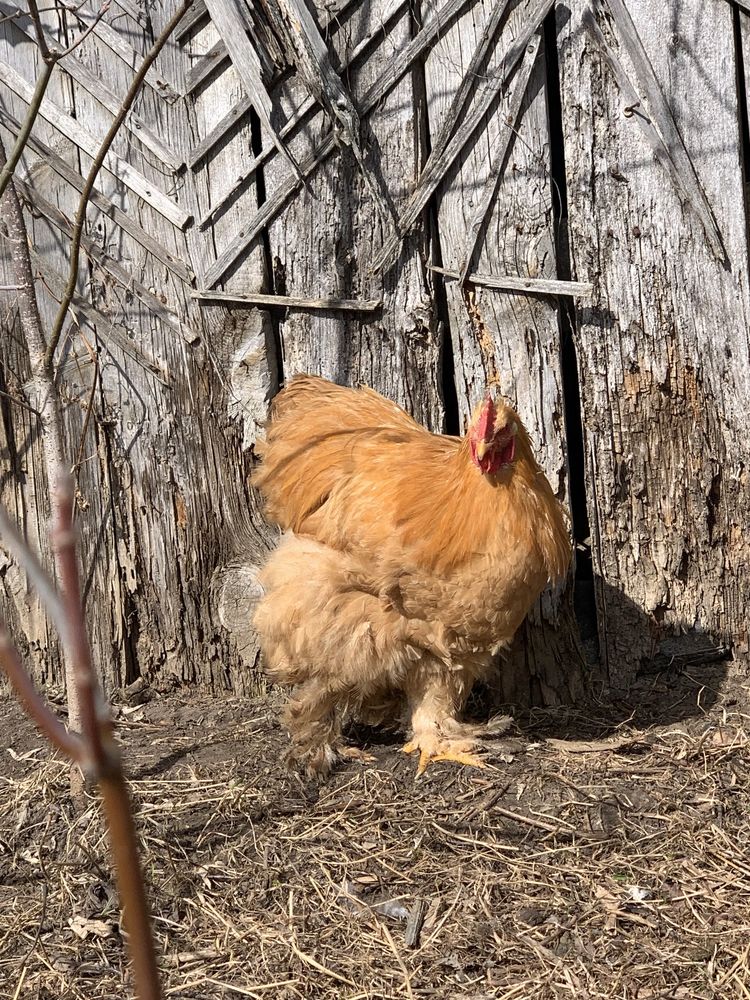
(103, 761)
(93, 718)
(80, 219)
(27, 304)
(82, 38)
(28, 123)
(36, 708)
(95, 751)
(135, 912)
(47, 56)
(16, 544)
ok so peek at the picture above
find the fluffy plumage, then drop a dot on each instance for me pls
(408, 560)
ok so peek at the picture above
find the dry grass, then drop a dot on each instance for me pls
(618, 869)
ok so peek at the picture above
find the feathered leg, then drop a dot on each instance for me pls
(338, 648)
(435, 698)
(314, 725)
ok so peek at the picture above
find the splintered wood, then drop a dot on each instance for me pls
(663, 353)
(429, 198)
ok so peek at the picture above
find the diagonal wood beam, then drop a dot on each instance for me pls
(123, 49)
(437, 165)
(95, 86)
(325, 85)
(499, 156)
(468, 85)
(73, 130)
(241, 108)
(660, 128)
(104, 204)
(229, 23)
(397, 68)
(307, 108)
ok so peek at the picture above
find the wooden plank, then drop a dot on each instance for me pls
(107, 263)
(229, 23)
(73, 65)
(390, 75)
(499, 156)
(662, 348)
(328, 304)
(447, 150)
(200, 71)
(191, 20)
(117, 44)
(212, 138)
(509, 341)
(471, 79)
(133, 10)
(330, 26)
(528, 286)
(324, 83)
(99, 201)
(294, 119)
(322, 244)
(651, 95)
(111, 332)
(74, 131)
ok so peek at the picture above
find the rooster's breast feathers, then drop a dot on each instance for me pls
(355, 472)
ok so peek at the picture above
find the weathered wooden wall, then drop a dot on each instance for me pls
(653, 122)
(476, 175)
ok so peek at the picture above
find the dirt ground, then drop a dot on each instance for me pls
(604, 853)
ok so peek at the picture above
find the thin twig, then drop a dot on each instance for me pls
(82, 38)
(47, 56)
(103, 762)
(28, 123)
(20, 402)
(37, 709)
(80, 219)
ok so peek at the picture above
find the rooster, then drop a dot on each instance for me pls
(408, 561)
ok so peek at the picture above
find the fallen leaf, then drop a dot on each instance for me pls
(84, 927)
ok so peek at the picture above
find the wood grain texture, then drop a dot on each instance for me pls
(164, 505)
(323, 243)
(501, 338)
(662, 347)
(180, 382)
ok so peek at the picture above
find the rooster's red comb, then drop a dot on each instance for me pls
(487, 417)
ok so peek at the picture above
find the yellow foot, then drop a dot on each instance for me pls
(354, 753)
(434, 748)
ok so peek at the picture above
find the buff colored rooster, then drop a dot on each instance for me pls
(409, 560)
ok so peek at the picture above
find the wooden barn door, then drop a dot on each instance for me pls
(653, 114)
(429, 197)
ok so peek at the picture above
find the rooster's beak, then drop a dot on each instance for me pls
(481, 449)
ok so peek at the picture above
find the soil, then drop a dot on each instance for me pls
(603, 853)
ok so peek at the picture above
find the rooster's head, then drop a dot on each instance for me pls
(492, 435)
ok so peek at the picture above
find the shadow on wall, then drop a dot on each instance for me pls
(638, 671)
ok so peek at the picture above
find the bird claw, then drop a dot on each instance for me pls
(442, 751)
(354, 753)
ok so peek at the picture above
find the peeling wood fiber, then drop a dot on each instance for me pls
(202, 287)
